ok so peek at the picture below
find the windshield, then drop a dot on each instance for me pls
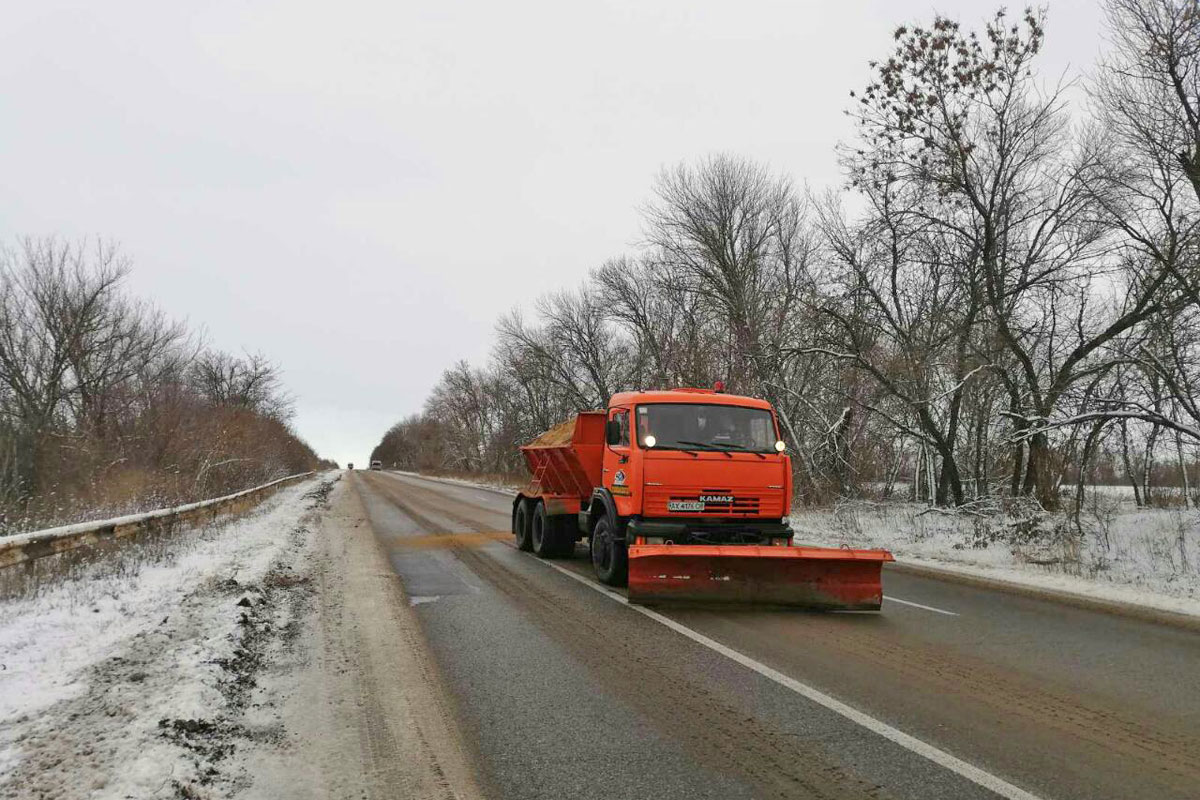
(701, 426)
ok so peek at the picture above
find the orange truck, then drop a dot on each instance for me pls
(684, 495)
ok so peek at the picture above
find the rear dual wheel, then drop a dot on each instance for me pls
(521, 525)
(551, 536)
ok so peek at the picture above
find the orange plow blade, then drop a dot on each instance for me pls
(808, 577)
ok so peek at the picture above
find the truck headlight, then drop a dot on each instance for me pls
(780, 446)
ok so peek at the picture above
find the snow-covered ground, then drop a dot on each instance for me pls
(1149, 557)
(117, 681)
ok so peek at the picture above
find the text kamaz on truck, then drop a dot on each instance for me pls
(685, 496)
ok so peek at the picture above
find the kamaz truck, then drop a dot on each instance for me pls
(684, 496)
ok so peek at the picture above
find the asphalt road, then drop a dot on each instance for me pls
(562, 690)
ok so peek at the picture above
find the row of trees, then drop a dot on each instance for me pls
(1011, 303)
(106, 404)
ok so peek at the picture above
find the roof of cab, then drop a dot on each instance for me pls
(687, 396)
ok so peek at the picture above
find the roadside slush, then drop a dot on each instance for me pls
(363, 705)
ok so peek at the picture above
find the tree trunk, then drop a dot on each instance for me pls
(949, 485)
(1018, 464)
(1183, 473)
(1148, 464)
(893, 472)
(930, 485)
(916, 482)
(1085, 461)
(1133, 481)
(1037, 471)
(981, 460)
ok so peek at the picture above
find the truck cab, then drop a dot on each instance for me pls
(695, 466)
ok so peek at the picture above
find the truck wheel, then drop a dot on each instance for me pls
(543, 533)
(565, 536)
(610, 559)
(521, 525)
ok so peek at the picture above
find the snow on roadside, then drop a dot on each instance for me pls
(94, 663)
(1149, 558)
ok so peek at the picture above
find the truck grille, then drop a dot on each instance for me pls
(744, 503)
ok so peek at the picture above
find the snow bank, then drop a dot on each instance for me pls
(1144, 557)
(92, 664)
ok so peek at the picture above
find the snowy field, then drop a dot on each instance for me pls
(138, 661)
(1114, 551)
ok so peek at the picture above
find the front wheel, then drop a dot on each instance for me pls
(610, 559)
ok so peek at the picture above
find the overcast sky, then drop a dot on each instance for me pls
(358, 189)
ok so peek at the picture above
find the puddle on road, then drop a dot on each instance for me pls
(431, 573)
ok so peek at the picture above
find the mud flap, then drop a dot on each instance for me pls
(806, 577)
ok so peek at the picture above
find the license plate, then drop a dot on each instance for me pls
(685, 505)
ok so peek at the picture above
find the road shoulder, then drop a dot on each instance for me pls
(982, 579)
(367, 707)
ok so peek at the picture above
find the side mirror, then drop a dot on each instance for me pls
(612, 432)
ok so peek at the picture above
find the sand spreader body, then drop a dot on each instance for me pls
(684, 495)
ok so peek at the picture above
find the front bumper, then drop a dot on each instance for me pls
(703, 530)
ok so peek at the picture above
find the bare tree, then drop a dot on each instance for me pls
(735, 236)
(905, 313)
(101, 405)
(958, 115)
(250, 381)
(53, 298)
(665, 321)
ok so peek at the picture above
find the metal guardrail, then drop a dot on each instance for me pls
(25, 547)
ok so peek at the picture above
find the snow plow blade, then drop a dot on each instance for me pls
(826, 578)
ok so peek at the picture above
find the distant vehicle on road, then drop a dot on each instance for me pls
(350, 465)
(376, 465)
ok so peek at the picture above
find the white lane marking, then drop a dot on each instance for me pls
(938, 756)
(889, 599)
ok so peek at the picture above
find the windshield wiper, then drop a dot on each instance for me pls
(708, 446)
(677, 449)
(740, 447)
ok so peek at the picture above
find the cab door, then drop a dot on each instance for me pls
(621, 474)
